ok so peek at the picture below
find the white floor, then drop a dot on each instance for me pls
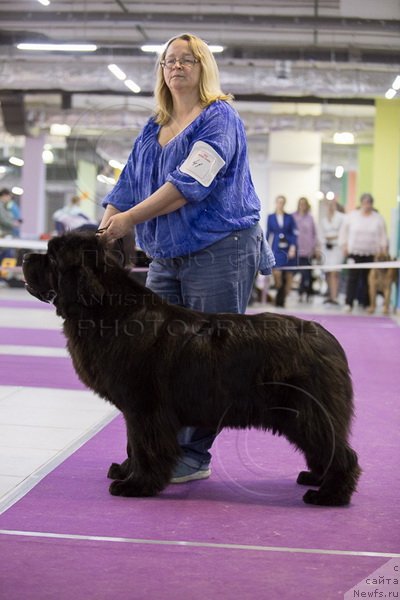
(40, 427)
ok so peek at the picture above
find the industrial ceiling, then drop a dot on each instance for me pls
(303, 65)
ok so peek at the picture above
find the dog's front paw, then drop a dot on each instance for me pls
(117, 471)
(130, 488)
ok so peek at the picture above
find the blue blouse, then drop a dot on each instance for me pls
(214, 209)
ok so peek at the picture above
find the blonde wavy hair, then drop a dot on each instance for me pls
(209, 86)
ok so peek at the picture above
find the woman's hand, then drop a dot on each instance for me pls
(163, 201)
(117, 226)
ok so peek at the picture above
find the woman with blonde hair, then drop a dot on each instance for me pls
(332, 253)
(187, 190)
(307, 244)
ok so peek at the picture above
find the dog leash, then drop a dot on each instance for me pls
(101, 230)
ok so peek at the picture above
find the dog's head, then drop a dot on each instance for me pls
(71, 274)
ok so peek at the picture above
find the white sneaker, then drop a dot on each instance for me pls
(348, 308)
(184, 472)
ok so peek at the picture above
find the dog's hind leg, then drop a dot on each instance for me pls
(315, 474)
(339, 481)
(333, 465)
(310, 478)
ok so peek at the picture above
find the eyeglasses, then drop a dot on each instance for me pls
(188, 62)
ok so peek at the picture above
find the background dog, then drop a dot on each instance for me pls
(166, 367)
(380, 282)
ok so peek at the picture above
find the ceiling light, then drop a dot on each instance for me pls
(60, 129)
(339, 171)
(390, 94)
(58, 47)
(330, 195)
(104, 179)
(159, 48)
(2, 169)
(44, 2)
(396, 83)
(344, 137)
(47, 157)
(132, 86)
(117, 72)
(18, 191)
(17, 162)
(115, 164)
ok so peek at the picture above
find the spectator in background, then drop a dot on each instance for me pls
(362, 236)
(71, 217)
(281, 235)
(7, 223)
(307, 244)
(10, 216)
(331, 250)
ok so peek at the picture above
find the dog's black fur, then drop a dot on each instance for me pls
(166, 367)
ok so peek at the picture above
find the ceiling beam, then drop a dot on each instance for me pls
(238, 97)
(180, 13)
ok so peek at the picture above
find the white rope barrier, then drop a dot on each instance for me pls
(18, 243)
(390, 264)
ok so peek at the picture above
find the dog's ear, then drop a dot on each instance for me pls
(77, 288)
(90, 290)
(123, 250)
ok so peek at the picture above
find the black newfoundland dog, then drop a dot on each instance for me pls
(166, 367)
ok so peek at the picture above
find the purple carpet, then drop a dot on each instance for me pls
(32, 337)
(251, 500)
(36, 371)
(89, 570)
(28, 303)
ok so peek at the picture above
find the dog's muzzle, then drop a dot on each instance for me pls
(48, 296)
(33, 287)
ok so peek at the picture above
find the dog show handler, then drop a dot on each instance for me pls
(187, 190)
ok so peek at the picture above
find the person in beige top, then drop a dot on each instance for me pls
(362, 236)
(331, 251)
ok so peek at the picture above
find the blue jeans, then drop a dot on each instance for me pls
(357, 281)
(219, 278)
(306, 277)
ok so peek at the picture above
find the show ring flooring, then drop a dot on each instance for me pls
(242, 534)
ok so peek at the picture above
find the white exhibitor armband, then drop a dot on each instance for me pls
(203, 163)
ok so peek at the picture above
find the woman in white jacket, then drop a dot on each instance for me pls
(362, 237)
(330, 248)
